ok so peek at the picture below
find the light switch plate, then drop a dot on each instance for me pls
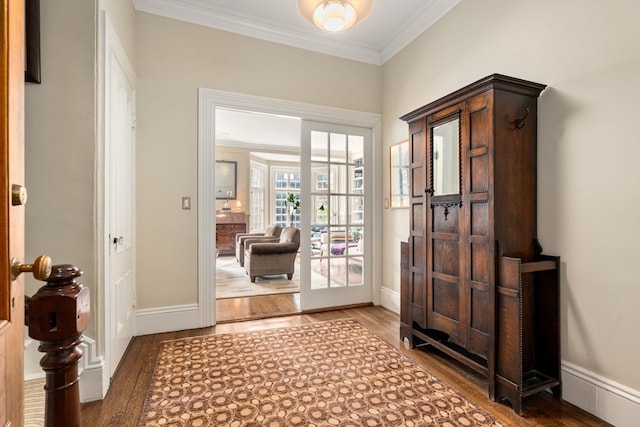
(186, 203)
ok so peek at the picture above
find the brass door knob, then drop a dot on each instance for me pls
(41, 268)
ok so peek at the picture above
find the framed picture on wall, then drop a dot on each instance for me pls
(226, 179)
(399, 174)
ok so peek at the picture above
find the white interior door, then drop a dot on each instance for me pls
(336, 190)
(120, 171)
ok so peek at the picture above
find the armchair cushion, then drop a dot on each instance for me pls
(273, 248)
(271, 234)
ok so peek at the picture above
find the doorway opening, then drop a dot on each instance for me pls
(266, 151)
(311, 119)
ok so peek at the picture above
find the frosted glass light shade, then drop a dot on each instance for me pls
(335, 15)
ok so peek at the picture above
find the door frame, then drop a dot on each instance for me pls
(208, 101)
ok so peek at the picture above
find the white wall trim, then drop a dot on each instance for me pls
(390, 299)
(94, 378)
(91, 369)
(606, 399)
(166, 319)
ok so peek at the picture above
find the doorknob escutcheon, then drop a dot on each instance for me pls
(41, 268)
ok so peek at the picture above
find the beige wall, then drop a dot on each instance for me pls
(61, 138)
(60, 141)
(174, 59)
(588, 53)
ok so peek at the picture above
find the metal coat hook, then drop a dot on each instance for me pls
(520, 122)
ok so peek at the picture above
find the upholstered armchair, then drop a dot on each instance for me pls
(271, 234)
(265, 259)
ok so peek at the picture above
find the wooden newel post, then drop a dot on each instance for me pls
(57, 315)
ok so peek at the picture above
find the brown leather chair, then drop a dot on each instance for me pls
(271, 234)
(265, 259)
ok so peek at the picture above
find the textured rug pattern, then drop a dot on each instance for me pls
(333, 373)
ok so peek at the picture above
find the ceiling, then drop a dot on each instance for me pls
(391, 25)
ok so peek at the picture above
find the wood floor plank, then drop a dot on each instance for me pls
(123, 403)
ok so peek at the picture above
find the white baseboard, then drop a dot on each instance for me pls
(390, 299)
(166, 319)
(94, 381)
(606, 399)
(93, 385)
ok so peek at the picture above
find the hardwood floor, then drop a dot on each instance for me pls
(261, 307)
(123, 404)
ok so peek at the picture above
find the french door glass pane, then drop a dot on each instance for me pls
(337, 194)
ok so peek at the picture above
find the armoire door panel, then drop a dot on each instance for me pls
(479, 133)
(417, 210)
(417, 175)
(416, 157)
(445, 257)
(448, 223)
(418, 255)
(418, 293)
(418, 298)
(479, 266)
(479, 297)
(479, 213)
(479, 174)
(446, 297)
(417, 146)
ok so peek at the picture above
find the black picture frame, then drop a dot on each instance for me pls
(32, 42)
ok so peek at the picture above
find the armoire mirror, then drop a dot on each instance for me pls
(445, 154)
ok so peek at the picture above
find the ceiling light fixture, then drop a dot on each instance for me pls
(335, 15)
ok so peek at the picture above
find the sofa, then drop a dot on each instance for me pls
(271, 258)
(334, 243)
(271, 234)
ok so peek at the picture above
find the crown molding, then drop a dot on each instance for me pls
(428, 16)
(222, 20)
(207, 14)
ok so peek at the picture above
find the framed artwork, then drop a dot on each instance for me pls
(226, 179)
(32, 41)
(399, 174)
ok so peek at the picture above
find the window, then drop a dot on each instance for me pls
(286, 181)
(257, 200)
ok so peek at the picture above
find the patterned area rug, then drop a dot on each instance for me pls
(333, 373)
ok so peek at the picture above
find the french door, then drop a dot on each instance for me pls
(336, 214)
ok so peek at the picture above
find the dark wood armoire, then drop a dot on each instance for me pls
(478, 287)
